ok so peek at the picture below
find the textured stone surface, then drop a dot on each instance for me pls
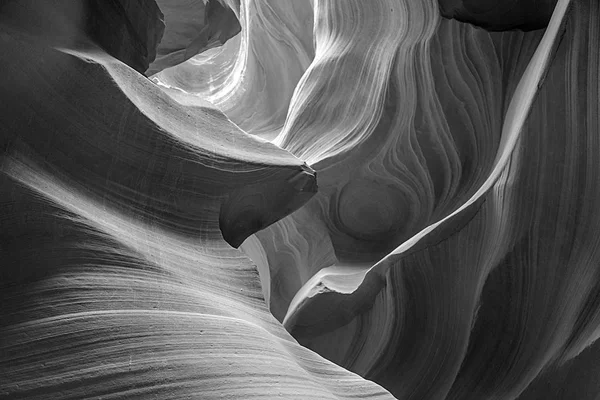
(192, 27)
(117, 201)
(410, 194)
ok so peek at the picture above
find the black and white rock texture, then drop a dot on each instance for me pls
(328, 199)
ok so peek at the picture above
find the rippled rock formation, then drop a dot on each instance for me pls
(411, 196)
(118, 204)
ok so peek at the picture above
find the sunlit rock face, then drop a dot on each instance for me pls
(346, 199)
(253, 76)
(119, 208)
(192, 27)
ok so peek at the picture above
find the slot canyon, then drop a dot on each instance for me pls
(300, 199)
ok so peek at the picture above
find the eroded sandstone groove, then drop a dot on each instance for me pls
(300, 199)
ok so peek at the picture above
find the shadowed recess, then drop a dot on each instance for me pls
(526, 15)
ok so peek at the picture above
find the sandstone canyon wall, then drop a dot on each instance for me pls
(326, 199)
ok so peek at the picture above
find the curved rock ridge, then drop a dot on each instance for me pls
(444, 274)
(128, 30)
(132, 31)
(368, 144)
(253, 76)
(117, 200)
(193, 27)
(503, 286)
(413, 164)
(515, 114)
(159, 235)
(550, 271)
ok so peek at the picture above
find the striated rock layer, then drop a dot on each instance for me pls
(253, 76)
(118, 204)
(448, 252)
(422, 151)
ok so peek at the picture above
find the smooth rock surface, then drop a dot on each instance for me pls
(117, 280)
(192, 27)
(526, 15)
(408, 192)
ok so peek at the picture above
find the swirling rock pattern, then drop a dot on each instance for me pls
(192, 27)
(117, 281)
(448, 252)
(252, 78)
